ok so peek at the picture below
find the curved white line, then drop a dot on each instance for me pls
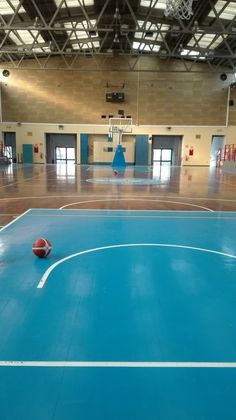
(135, 199)
(87, 251)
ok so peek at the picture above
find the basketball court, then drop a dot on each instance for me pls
(131, 315)
(117, 147)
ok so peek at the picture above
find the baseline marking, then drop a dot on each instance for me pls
(135, 199)
(202, 365)
(87, 251)
(138, 216)
(13, 221)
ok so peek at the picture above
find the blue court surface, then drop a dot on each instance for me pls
(132, 316)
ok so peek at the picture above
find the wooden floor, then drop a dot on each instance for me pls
(55, 186)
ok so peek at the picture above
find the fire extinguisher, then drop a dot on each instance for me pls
(190, 151)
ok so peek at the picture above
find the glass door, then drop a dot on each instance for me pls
(162, 156)
(7, 151)
(65, 155)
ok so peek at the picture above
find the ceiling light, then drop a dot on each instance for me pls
(116, 38)
(124, 29)
(163, 54)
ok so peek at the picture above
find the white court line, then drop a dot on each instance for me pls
(135, 199)
(17, 182)
(96, 195)
(87, 251)
(13, 221)
(67, 364)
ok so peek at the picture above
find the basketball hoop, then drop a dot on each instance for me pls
(119, 126)
(179, 9)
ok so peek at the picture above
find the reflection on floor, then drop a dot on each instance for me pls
(157, 187)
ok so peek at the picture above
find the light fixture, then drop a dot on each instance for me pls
(110, 51)
(195, 26)
(117, 13)
(116, 38)
(36, 21)
(124, 29)
(6, 73)
(163, 54)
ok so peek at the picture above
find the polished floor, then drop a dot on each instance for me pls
(96, 187)
(131, 316)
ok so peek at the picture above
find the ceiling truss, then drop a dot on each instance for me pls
(40, 30)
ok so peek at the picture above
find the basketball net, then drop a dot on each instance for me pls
(179, 9)
(116, 130)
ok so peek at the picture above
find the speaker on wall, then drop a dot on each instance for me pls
(223, 77)
(5, 73)
(231, 102)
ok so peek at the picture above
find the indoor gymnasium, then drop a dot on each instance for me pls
(117, 210)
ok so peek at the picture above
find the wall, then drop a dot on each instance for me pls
(229, 167)
(98, 145)
(230, 138)
(197, 137)
(155, 94)
(161, 100)
(102, 155)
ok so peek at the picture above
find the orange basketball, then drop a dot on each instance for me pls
(41, 247)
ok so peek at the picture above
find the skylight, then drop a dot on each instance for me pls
(80, 30)
(41, 50)
(161, 4)
(74, 3)
(6, 9)
(88, 45)
(152, 31)
(228, 12)
(192, 54)
(210, 41)
(141, 46)
(25, 37)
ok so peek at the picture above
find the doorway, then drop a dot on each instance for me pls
(217, 143)
(166, 150)
(10, 145)
(65, 155)
(61, 148)
(8, 152)
(162, 156)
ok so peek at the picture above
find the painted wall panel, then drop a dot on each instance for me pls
(141, 150)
